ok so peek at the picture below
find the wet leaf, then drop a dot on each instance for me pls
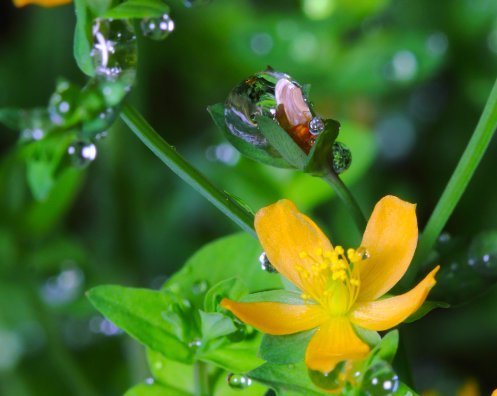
(137, 9)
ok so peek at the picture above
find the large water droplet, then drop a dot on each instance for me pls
(332, 380)
(114, 51)
(380, 380)
(316, 126)
(238, 381)
(82, 153)
(259, 95)
(266, 264)
(157, 28)
(341, 157)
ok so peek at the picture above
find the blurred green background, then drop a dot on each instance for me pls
(407, 80)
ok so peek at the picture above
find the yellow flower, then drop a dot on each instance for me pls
(340, 289)
(43, 3)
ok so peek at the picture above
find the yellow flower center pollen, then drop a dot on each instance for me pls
(331, 278)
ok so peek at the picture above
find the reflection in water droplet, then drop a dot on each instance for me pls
(198, 288)
(82, 153)
(271, 94)
(114, 51)
(341, 157)
(157, 28)
(316, 126)
(363, 253)
(238, 381)
(380, 380)
(266, 264)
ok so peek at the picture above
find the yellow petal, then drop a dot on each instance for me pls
(334, 341)
(43, 3)
(285, 233)
(385, 314)
(390, 239)
(277, 318)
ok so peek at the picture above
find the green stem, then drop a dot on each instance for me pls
(168, 154)
(201, 379)
(458, 182)
(347, 198)
(68, 371)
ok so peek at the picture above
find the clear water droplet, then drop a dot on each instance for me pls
(34, 125)
(266, 264)
(114, 51)
(238, 381)
(341, 157)
(331, 380)
(157, 28)
(82, 153)
(257, 96)
(380, 380)
(195, 344)
(63, 103)
(363, 253)
(199, 287)
(316, 126)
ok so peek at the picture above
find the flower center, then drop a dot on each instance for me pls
(331, 278)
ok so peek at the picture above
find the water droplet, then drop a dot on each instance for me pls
(331, 380)
(199, 288)
(403, 67)
(114, 51)
(82, 153)
(363, 253)
(149, 381)
(271, 94)
(63, 103)
(195, 344)
(341, 157)
(238, 381)
(316, 125)
(444, 237)
(380, 380)
(266, 264)
(157, 28)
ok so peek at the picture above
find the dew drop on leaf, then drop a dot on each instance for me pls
(199, 287)
(266, 264)
(157, 28)
(380, 380)
(341, 157)
(63, 103)
(195, 344)
(82, 153)
(316, 126)
(238, 381)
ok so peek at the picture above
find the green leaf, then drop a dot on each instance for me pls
(98, 7)
(170, 372)
(249, 150)
(319, 157)
(233, 256)
(232, 288)
(40, 178)
(427, 307)
(139, 312)
(282, 142)
(137, 9)
(11, 118)
(285, 349)
(238, 357)
(214, 325)
(82, 38)
(155, 390)
(286, 378)
(387, 348)
(281, 296)
(372, 338)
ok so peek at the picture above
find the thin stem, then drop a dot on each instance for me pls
(347, 198)
(458, 182)
(168, 154)
(201, 379)
(68, 370)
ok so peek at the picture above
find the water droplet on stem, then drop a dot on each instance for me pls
(157, 28)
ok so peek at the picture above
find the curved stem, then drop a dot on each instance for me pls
(469, 161)
(347, 198)
(169, 156)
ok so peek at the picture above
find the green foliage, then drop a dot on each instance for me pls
(134, 9)
(82, 37)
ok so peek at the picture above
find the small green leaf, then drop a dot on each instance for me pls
(139, 312)
(318, 160)
(40, 178)
(170, 372)
(285, 349)
(281, 296)
(155, 390)
(372, 338)
(137, 9)
(232, 288)
(98, 7)
(249, 150)
(214, 325)
(387, 348)
(238, 357)
(82, 38)
(282, 142)
(426, 308)
(286, 378)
